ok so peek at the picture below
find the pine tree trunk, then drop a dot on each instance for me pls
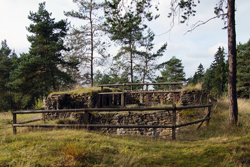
(131, 63)
(233, 108)
(92, 46)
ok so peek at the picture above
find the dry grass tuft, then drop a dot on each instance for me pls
(77, 153)
(190, 87)
(81, 151)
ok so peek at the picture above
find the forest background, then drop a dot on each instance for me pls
(211, 73)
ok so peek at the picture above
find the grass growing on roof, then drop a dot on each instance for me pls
(191, 87)
(79, 90)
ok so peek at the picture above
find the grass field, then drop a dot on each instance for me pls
(215, 145)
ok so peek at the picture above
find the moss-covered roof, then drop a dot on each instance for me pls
(78, 91)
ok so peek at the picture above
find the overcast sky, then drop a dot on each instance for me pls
(193, 48)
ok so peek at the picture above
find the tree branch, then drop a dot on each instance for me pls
(199, 23)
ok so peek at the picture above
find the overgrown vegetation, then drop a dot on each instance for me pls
(191, 87)
(215, 145)
(80, 90)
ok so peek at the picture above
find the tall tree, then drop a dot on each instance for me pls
(215, 77)
(38, 71)
(147, 58)
(233, 107)
(187, 7)
(86, 40)
(243, 68)
(206, 82)
(101, 78)
(219, 72)
(198, 76)
(173, 71)
(7, 64)
(126, 29)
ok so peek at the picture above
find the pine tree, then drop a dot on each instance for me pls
(224, 9)
(38, 71)
(173, 72)
(100, 78)
(243, 70)
(148, 59)
(215, 77)
(199, 74)
(87, 39)
(7, 64)
(197, 78)
(206, 82)
(219, 72)
(126, 29)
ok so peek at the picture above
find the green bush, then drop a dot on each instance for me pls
(38, 103)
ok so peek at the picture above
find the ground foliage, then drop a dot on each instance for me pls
(215, 145)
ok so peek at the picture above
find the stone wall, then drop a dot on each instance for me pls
(194, 97)
(90, 100)
(67, 101)
(127, 118)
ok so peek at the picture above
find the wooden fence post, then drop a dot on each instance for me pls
(161, 98)
(141, 98)
(208, 112)
(174, 95)
(43, 115)
(14, 122)
(123, 96)
(101, 98)
(86, 117)
(147, 98)
(209, 109)
(174, 122)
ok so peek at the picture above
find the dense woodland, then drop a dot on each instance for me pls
(62, 56)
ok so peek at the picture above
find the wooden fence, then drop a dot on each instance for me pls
(87, 110)
(147, 92)
(123, 93)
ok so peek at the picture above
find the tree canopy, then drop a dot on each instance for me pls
(38, 71)
(86, 40)
(173, 71)
(243, 69)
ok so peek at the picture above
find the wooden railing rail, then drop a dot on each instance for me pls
(110, 109)
(147, 91)
(173, 126)
(133, 84)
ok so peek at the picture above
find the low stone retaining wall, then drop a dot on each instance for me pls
(125, 118)
(194, 97)
(90, 100)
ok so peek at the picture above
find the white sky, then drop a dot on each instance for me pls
(193, 48)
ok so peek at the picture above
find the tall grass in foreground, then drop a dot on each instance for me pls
(219, 123)
(215, 145)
